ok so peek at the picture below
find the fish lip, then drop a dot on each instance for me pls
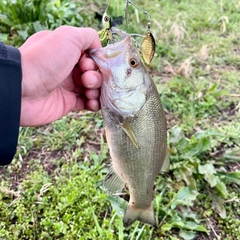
(101, 56)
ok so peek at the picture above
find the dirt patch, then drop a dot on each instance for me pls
(18, 172)
(236, 50)
(215, 232)
(232, 167)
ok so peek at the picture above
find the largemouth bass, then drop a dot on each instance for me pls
(135, 126)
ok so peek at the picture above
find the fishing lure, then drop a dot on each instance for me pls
(105, 33)
(148, 46)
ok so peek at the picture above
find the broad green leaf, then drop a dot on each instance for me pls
(188, 225)
(23, 33)
(185, 174)
(118, 204)
(166, 227)
(176, 135)
(188, 214)
(193, 226)
(196, 146)
(218, 204)
(37, 26)
(221, 187)
(230, 177)
(206, 143)
(208, 171)
(187, 235)
(203, 138)
(193, 149)
(185, 196)
(182, 144)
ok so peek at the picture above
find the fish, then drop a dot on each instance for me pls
(135, 126)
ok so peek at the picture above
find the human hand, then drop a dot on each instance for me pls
(58, 77)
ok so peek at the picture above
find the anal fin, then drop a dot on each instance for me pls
(113, 183)
(126, 127)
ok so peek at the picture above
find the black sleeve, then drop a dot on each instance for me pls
(10, 101)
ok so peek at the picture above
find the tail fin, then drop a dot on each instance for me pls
(143, 215)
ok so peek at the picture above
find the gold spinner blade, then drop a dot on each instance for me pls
(148, 47)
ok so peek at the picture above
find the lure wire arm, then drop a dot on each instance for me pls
(148, 44)
(140, 9)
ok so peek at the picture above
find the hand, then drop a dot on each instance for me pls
(58, 77)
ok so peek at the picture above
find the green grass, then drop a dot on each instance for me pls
(52, 190)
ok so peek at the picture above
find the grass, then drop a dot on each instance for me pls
(52, 190)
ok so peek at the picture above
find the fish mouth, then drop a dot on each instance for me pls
(102, 56)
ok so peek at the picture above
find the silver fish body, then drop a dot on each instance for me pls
(135, 127)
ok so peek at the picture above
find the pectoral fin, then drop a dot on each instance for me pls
(126, 127)
(112, 182)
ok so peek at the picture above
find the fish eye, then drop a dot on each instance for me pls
(133, 62)
(106, 19)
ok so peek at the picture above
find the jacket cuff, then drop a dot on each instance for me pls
(10, 101)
